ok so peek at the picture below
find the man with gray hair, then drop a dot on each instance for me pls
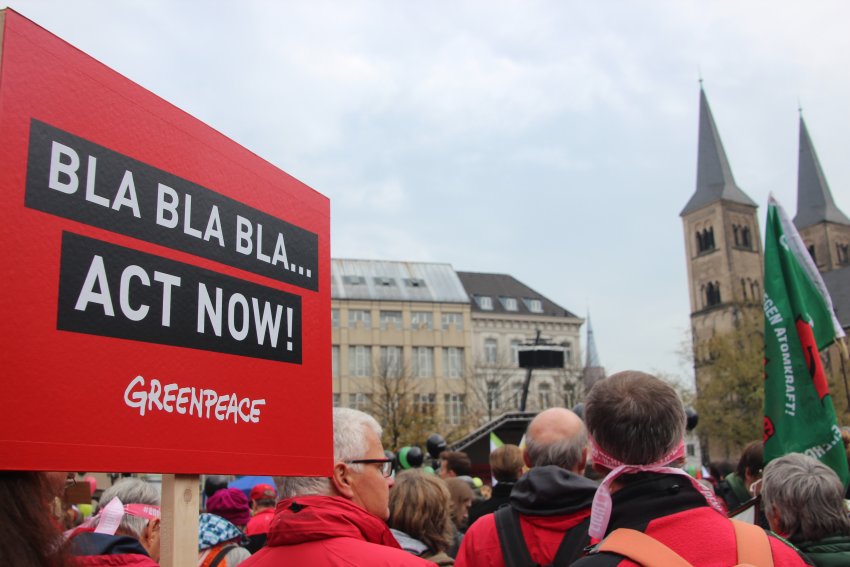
(546, 519)
(126, 529)
(637, 424)
(340, 520)
(804, 503)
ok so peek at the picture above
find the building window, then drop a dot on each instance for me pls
(455, 319)
(756, 291)
(811, 249)
(361, 316)
(359, 401)
(705, 240)
(568, 353)
(391, 318)
(484, 302)
(544, 395)
(516, 394)
(454, 408)
(391, 361)
(712, 294)
(691, 449)
(515, 344)
(414, 282)
(337, 400)
(353, 280)
(423, 362)
(509, 303)
(746, 239)
(384, 282)
(422, 320)
(360, 361)
(534, 305)
(335, 361)
(843, 253)
(491, 351)
(335, 318)
(424, 404)
(494, 396)
(453, 362)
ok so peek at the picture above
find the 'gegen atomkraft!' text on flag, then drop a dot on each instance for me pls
(798, 323)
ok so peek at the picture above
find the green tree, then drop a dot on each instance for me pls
(730, 384)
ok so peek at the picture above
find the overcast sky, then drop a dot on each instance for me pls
(554, 141)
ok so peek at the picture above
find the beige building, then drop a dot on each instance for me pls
(507, 314)
(404, 322)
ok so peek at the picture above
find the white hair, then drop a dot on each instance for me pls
(350, 443)
(131, 491)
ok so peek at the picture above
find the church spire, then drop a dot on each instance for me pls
(814, 199)
(592, 354)
(714, 176)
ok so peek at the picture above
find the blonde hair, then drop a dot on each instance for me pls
(420, 506)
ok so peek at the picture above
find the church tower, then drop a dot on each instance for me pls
(823, 227)
(722, 242)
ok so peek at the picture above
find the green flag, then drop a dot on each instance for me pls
(495, 442)
(798, 323)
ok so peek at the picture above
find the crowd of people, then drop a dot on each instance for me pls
(604, 489)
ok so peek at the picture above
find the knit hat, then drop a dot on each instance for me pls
(213, 530)
(263, 492)
(231, 504)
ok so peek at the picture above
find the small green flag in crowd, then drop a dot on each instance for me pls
(799, 323)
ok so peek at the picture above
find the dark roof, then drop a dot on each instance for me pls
(814, 199)
(838, 284)
(714, 176)
(498, 286)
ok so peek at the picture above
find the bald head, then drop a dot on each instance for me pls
(557, 436)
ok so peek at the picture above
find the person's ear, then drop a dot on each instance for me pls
(341, 480)
(525, 458)
(582, 462)
(151, 534)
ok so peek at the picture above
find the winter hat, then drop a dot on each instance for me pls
(231, 504)
(213, 530)
(263, 492)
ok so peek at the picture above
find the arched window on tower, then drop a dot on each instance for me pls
(756, 291)
(811, 249)
(710, 239)
(744, 288)
(746, 238)
(705, 240)
(700, 245)
(843, 252)
(712, 294)
(735, 231)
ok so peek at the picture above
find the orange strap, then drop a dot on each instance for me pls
(752, 542)
(753, 545)
(641, 548)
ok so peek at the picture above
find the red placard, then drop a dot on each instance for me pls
(166, 293)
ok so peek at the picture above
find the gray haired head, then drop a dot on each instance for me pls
(804, 499)
(131, 491)
(349, 443)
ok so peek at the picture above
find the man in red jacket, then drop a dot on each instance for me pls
(339, 520)
(550, 501)
(637, 425)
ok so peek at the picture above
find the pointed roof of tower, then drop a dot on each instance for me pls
(592, 354)
(714, 176)
(814, 199)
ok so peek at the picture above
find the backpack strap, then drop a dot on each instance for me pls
(219, 557)
(753, 545)
(641, 548)
(511, 540)
(573, 545)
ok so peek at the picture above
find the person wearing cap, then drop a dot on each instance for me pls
(220, 542)
(125, 531)
(339, 520)
(263, 498)
(549, 505)
(637, 424)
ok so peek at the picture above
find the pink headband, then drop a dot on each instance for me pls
(110, 516)
(600, 514)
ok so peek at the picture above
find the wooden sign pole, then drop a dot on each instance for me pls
(179, 528)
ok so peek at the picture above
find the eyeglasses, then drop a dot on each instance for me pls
(386, 464)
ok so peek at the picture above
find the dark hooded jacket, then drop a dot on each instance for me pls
(329, 530)
(94, 550)
(550, 501)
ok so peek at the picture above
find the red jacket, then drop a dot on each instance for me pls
(260, 523)
(550, 500)
(669, 509)
(329, 531)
